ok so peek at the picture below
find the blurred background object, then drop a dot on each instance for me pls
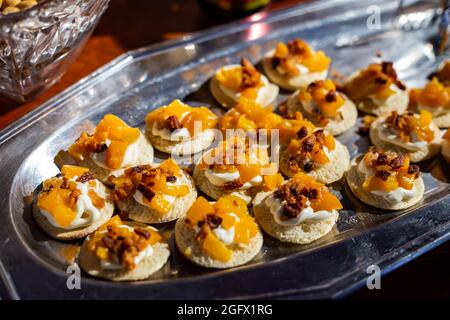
(233, 8)
(39, 40)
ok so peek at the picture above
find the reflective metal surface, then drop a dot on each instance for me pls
(34, 266)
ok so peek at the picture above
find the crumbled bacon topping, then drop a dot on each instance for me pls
(250, 76)
(139, 178)
(301, 159)
(408, 125)
(125, 248)
(85, 177)
(172, 123)
(295, 198)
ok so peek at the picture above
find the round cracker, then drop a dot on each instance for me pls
(397, 102)
(65, 234)
(192, 250)
(332, 171)
(355, 180)
(443, 120)
(145, 156)
(145, 268)
(286, 82)
(199, 143)
(141, 213)
(214, 191)
(229, 102)
(304, 233)
(431, 150)
(335, 125)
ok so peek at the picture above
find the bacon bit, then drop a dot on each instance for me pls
(398, 162)
(142, 232)
(213, 221)
(146, 192)
(309, 166)
(171, 179)
(382, 159)
(172, 123)
(232, 185)
(250, 76)
(302, 133)
(383, 175)
(85, 177)
(414, 169)
(310, 193)
(64, 184)
(330, 96)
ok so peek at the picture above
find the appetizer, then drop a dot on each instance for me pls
(123, 251)
(218, 235)
(234, 167)
(112, 147)
(234, 81)
(72, 204)
(412, 134)
(386, 180)
(377, 90)
(301, 210)
(313, 151)
(181, 129)
(295, 65)
(324, 106)
(435, 96)
(154, 194)
(446, 146)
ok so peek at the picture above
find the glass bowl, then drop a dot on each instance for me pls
(38, 44)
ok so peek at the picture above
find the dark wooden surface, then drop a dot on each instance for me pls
(130, 24)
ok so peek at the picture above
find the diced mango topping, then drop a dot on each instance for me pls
(324, 96)
(236, 155)
(70, 172)
(303, 191)
(307, 150)
(115, 241)
(409, 126)
(392, 171)
(298, 52)
(324, 200)
(375, 80)
(244, 79)
(248, 115)
(59, 196)
(184, 116)
(112, 136)
(227, 212)
(153, 183)
(435, 94)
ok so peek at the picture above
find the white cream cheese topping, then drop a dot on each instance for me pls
(307, 214)
(86, 212)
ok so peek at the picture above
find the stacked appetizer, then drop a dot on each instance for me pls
(110, 191)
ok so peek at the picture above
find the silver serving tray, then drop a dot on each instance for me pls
(33, 266)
